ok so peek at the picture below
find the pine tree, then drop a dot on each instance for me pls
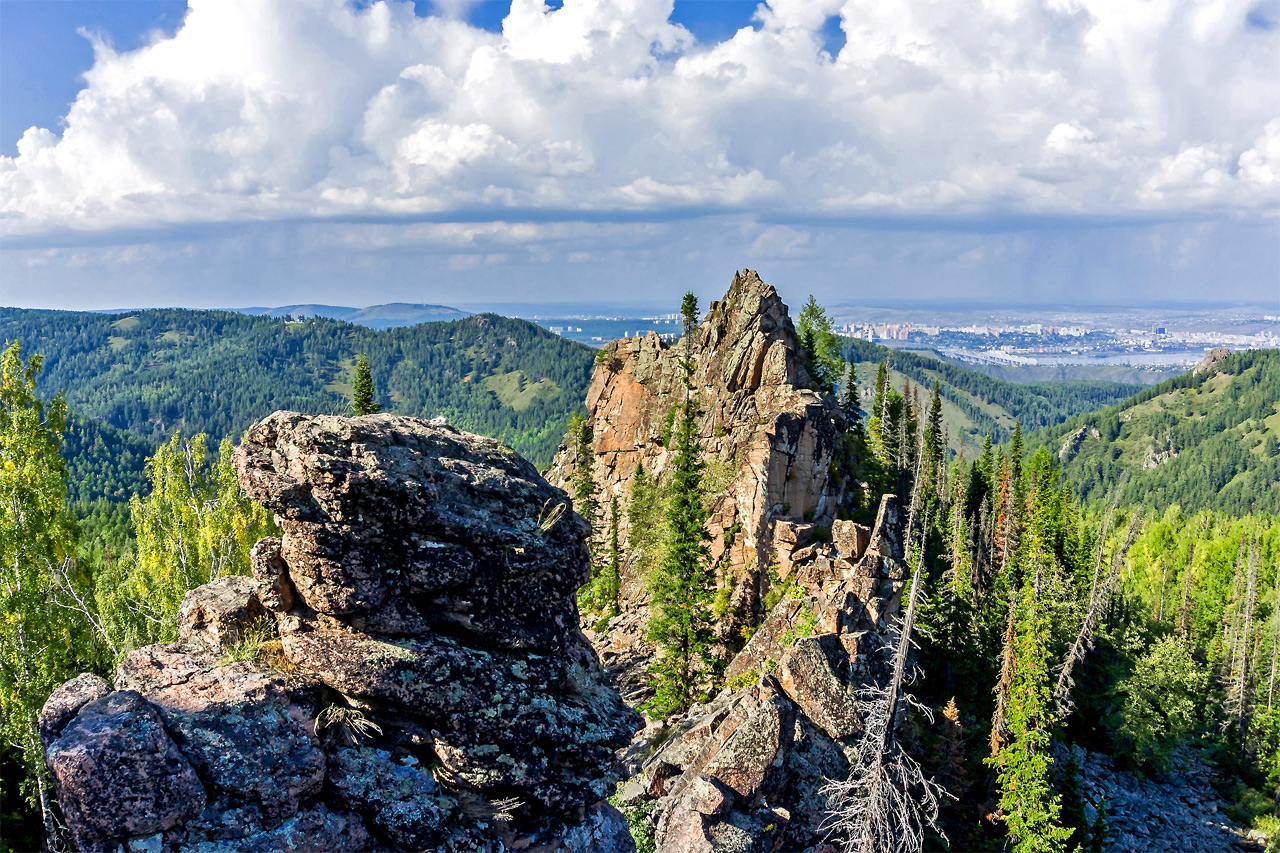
(850, 403)
(1023, 764)
(612, 576)
(362, 392)
(935, 448)
(592, 598)
(821, 345)
(682, 586)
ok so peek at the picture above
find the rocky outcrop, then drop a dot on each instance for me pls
(770, 441)
(744, 772)
(403, 671)
(1211, 359)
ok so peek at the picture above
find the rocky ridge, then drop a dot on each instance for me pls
(744, 772)
(419, 679)
(770, 441)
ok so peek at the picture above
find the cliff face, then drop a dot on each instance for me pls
(768, 438)
(421, 682)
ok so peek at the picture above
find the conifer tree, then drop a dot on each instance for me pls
(935, 449)
(850, 402)
(821, 345)
(612, 576)
(587, 503)
(683, 585)
(363, 398)
(1027, 800)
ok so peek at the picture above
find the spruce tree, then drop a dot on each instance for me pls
(587, 503)
(362, 393)
(1024, 767)
(935, 450)
(682, 586)
(849, 401)
(611, 577)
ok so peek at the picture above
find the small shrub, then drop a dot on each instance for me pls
(1247, 804)
(743, 679)
(639, 822)
(349, 723)
(251, 647)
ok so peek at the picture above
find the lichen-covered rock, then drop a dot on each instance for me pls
(248, 737)
(271, 575)
(65, 702)
(118, 774)
(422, 596)
(217, 614)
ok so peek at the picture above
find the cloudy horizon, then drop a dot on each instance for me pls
(278, 152)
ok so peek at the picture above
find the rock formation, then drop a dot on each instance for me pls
(403, 671)
(744, 772)
(769, 438)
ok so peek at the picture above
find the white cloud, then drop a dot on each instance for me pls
(258, 110)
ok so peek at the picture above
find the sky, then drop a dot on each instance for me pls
(220, 153)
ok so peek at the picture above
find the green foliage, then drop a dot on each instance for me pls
(193, 527)
(217, 372)
(1031, 807)
(1162, 700)
(640, 819)
(824, 359)
(363, 398)
(981, 404)
(682, 587)
(39, 646)
(251, 646)
(646, 521)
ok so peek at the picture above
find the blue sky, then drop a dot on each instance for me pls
(274, 152)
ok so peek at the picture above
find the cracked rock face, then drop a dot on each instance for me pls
(745, 771)
(427, 686)
(763, 430)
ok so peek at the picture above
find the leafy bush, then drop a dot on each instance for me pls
(1162, 699)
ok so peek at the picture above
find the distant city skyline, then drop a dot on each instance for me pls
(270, 152)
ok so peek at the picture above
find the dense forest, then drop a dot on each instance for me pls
(1208, 440)
(216, 372)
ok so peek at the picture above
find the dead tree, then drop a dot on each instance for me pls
(1184, 617)
(885, 803)
(1098, 603)
(1238, 690)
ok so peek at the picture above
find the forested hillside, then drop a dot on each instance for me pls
(216, 372)
(1204, 440)
(975, 404)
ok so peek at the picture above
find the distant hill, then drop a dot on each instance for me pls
(146, 373)
(132, 378)
(1209, 439)
(389, 316)
(974, 404)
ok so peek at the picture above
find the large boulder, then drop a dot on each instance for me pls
(419, 679)
(119, 774)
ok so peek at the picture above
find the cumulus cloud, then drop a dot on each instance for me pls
(261, 110)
